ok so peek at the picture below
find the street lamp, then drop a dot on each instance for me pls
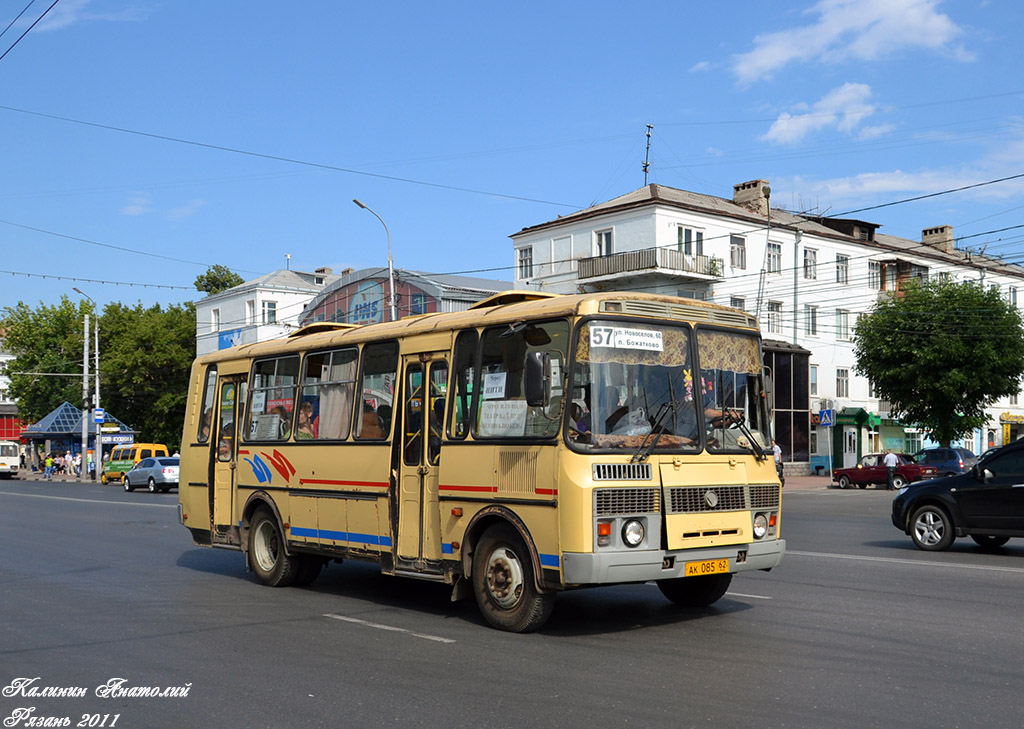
(98, 448)
(391, 266)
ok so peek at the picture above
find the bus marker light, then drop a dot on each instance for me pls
(457, 511)
(456, 545)
(773, 520)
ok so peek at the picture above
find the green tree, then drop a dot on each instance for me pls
(216, 279)
(47, 339)
(941, 352)
(145, 358)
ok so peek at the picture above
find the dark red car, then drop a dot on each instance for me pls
(871, 469)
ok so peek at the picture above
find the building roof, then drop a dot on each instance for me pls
(66, 420)
(281, 280)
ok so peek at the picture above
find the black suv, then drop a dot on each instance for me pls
(985, 504)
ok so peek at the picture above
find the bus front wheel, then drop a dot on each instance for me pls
(695, 591)
(504, 585)
(267, 557)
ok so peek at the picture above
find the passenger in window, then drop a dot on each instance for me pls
(283, 427)
(306, 428)
(370, 423)
(384, 416)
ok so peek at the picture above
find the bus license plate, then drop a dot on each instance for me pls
(706, 567)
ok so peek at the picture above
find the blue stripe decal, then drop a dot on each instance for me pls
(549, 560)
(350, 537)
(446, 548)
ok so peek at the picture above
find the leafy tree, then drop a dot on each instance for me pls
(47, 339)
(145, 358)
(216, 279)
(941, 352)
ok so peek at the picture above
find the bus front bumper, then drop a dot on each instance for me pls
(655, 564)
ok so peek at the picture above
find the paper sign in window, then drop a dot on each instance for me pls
(494, 386)
(503, 418)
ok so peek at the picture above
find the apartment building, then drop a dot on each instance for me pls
(806, 277)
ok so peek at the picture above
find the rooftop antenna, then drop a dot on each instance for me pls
(647, 156)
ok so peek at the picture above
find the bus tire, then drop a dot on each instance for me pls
(266, 555)
(695, 591)
(503, 582)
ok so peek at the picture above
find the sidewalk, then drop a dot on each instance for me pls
(804, 483)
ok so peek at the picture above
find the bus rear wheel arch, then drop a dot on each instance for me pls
(504, 583)
(266, 554)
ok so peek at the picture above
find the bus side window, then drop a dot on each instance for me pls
(462, 385)
(376, 388)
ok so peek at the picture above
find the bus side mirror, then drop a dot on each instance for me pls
(538, 379)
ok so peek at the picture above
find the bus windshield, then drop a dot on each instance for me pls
(634, 381)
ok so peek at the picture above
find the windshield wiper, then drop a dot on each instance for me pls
(741, 423)
(645, 449)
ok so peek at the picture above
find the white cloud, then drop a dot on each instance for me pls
(852, 30)
(138, 204)
(701, 66)
(187, 210)
(842, 108)
(72, 12)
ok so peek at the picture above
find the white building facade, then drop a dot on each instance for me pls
(806, 278)
(264, 308)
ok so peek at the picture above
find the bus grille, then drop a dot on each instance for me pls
(610, 502)
(622, 472)
(696, 499)
(764, 497)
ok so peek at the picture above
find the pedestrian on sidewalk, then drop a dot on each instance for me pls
(778, 463)
(891, 460)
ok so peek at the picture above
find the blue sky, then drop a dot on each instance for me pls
(147, 140)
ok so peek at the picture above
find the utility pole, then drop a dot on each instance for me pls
(85, 399)
(647, 156)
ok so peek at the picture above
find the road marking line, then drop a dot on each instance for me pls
(752, 597)
(88, 501)
(915, 562)
(392, 628)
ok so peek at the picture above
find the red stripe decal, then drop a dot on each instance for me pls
(333, 482)
(548, 492)
(476, 489)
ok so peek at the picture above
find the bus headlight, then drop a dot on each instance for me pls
(633, 533)
(760, 526)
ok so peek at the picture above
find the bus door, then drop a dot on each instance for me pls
(424, 387)
(230, 399)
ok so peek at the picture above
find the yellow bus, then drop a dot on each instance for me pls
(531, 444)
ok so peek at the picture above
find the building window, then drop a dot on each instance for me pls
(814, 380)
(1011, 295)
(215, 320)
(690, 241)
(270, 312)
(1013, 399)
(875, 275)
(737, 251)
(842, 269)
(418, 305)
(814, 442)
(810, 320)
(603, 241)
(737, 302)
(775, 317)
(842, 382)
(774, 258)
(250, 312)
(810, 263)
(526, 262)
(842, 324)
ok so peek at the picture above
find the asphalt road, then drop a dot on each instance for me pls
(857, 628)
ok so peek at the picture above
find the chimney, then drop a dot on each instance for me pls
(940, 237)
(752, 195)
(324, 271)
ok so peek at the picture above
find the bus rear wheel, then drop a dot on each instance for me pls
(503, 582)
(267, 557)
(695, 591)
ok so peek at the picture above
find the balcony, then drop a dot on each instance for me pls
(650, 261)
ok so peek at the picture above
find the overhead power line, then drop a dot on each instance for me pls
(11, 48)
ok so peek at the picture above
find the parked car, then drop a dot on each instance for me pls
(157, 474)
(985, 504)
(871, 469)
(948, 461)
